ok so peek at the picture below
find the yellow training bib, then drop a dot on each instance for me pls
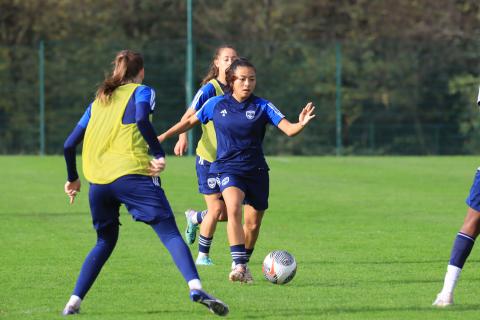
(112, 149)
(207, 145)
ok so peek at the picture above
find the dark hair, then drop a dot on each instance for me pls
(213, 70)
(126, 66)
(230, 72)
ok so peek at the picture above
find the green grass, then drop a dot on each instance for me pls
(371, 236)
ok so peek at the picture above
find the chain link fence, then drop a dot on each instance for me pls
(394, 97)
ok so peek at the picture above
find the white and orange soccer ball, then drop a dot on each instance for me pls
(279, 267)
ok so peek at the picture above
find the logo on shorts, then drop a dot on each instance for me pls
(225, 181)
(211, 183)
(250, 114)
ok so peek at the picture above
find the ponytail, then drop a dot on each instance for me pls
(126, 66)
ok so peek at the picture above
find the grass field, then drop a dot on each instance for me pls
(371, 236)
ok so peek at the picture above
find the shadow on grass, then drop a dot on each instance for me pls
(296, 312)
(381, 262)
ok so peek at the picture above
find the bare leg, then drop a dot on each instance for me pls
(471, 224)
(234, 197)
(251, 227)
(462, 247)
(216, 212)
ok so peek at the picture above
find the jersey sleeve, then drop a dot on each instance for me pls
(86, 117)
(147, 95)
(205, 113)
(203, 94)
(274, 115)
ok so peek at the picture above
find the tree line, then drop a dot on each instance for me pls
(409, 68)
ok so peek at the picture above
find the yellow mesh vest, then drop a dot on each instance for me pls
(207, 145)
(112, 149)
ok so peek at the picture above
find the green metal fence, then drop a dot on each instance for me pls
(385, 97)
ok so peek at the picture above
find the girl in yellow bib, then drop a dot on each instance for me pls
(118, 135)
(212, 85)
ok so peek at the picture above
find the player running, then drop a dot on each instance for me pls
(117, 134)
(212, 85)
(240, 119)
(464, 241)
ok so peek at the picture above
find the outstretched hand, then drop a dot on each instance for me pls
(72, 188)
(156, 166)
(306, 115)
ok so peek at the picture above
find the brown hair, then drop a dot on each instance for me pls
(230, 72)
(213, 71)
(126, 66)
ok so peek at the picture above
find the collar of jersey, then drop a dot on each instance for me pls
(239, 104)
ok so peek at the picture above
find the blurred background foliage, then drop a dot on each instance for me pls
(410, 69)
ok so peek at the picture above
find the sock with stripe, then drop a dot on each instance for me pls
(461, 250)
(249, 253)
(199, 216)
(239, 256)
(204, 244)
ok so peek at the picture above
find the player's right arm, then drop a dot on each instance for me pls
(72, 186)
(182, 143)
(203, 94)
(203, 115)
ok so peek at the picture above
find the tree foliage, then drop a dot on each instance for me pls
(409, 68)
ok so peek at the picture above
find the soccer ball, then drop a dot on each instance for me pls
(279, 267)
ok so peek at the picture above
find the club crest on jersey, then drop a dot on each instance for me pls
(212, 182)
(225, 181)
(250, 114)
(223, 112)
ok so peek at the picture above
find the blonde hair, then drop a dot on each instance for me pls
(213, 71)
(126, 66)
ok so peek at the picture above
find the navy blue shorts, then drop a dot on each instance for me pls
(142, 195)
(256, 187)
(473, 199)
(207, 184)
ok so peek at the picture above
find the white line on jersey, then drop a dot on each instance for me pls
(152, 99)
(196, 98)
(275, 109)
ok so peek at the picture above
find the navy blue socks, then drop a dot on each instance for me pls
(461, 249)
(106, 240)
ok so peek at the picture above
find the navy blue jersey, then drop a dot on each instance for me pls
(240, 129)
(203, 94)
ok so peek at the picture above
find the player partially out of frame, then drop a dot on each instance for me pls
(213, 85)
(117, 134)
(240, 119)
(464, 241)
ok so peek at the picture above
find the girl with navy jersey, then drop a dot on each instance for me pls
(240, 119)
(213, 85)
(463, 243)
(117, 134)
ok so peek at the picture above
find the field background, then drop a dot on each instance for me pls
(372, 236)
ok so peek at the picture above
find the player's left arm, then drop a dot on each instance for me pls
(278, 119)
(292, 129)
(144, 107)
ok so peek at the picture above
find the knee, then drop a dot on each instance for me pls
(108, 236)
(252, 226)
(471, 224)
(216, 211)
